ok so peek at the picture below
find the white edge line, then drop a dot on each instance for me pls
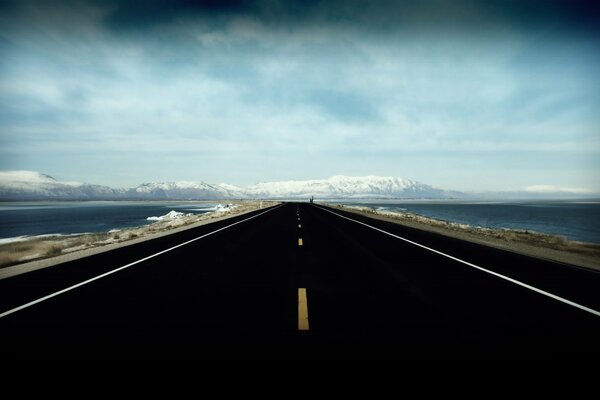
(31, 303)
(540, 291)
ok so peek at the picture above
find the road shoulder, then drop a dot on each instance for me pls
(22, 268)
(572, 253)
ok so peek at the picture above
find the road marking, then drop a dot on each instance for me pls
(516, 282)
(31, 303)
(302, 310)
(299, 241)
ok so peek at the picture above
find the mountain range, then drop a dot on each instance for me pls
(30, 185)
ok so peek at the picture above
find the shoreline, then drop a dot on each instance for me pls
(23, 256)
(535, 244)
(59, 249)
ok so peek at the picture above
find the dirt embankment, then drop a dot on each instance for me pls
(536, 244)
(40, 252)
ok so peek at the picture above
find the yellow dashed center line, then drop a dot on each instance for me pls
(302, 310)
(299, 241)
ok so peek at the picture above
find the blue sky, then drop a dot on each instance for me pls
(462, 95)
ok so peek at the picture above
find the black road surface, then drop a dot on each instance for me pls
(234, 294)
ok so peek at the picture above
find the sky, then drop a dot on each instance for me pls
(465, 95)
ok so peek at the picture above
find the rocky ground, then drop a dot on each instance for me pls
(64, 248)
(536, 244)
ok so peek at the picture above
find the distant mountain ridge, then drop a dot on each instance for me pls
(340, 186)
(30, 185)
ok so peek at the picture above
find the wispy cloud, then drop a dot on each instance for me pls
(555, 189)
(243, 91)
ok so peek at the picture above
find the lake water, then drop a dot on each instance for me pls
(575, 220)
(40, 218)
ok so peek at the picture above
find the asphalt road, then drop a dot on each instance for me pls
(237, 293)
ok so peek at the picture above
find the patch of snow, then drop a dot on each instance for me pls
(169, 216)
(34, 237)
(224, 208)
(14, 239)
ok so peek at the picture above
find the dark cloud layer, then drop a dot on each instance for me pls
(133, 14)
(561, 15)
(385, 16)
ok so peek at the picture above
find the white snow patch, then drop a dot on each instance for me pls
(215, 208)
(169, 216)
(224, 208)
(49, 235)
(14, 239)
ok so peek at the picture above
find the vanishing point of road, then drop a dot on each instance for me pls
(302, 280)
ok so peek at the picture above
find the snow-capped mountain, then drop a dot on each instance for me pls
(340, 186)
(27, 185)
(178, 191)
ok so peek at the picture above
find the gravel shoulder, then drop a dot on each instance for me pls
(535, 244)
(29, 255)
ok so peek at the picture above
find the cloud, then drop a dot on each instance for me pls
(297, 88)
(345, 106)
(555, 189)
(380, 16)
